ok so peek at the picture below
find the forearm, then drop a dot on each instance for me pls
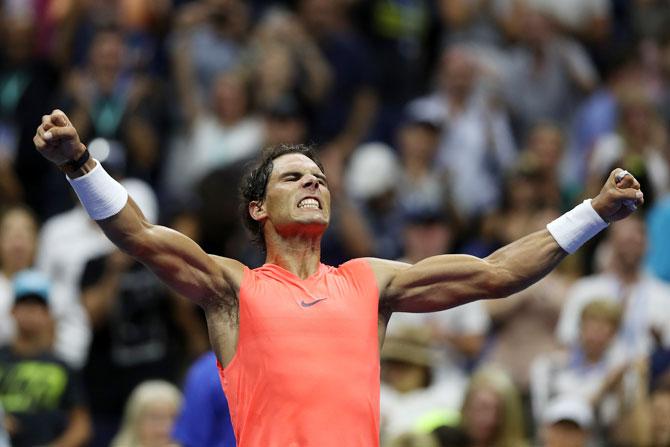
(108, 203)
(441, 282)
(523, 262)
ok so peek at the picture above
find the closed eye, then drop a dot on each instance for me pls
(291, 177)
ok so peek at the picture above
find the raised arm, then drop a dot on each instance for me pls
(445, 281)
(173, 257)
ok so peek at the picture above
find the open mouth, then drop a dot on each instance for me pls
(309, 202)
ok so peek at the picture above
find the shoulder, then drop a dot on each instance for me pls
(231, 270)
(385, 270)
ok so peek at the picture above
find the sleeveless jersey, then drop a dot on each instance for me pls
(306, 369)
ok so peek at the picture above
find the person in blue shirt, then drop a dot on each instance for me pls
(204, 420)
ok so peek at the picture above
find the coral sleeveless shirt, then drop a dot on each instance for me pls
(306, 369)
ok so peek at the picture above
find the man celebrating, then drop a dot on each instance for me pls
(298, 341)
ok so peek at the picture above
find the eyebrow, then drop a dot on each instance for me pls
(318, 175)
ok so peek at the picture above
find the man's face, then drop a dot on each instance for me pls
(629, 242)
(17, 240)
(297, 199)
(32, 317)
(596, 334)
(458, 72)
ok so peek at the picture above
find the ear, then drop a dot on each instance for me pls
(257, 210)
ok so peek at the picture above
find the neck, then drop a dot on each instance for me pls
(593, 357)
(29, 346)
(300, 255)
(626, 275)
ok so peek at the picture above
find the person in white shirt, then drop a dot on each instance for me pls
(590, 369)
(476, 145)
(18, 241)
(645, 299)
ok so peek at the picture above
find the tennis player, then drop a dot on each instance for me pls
(298, 341)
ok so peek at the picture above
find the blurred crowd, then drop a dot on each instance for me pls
(445, 126)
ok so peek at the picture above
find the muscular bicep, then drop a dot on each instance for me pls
(436, 283)
(445, 281)
(176, 259)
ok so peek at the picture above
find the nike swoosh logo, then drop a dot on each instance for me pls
(303, 303)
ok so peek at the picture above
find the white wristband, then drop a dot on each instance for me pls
(577, 226)
(99, 193)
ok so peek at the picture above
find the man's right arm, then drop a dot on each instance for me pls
(173, 257)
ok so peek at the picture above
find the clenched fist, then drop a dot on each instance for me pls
(57, 140)
(619, 197)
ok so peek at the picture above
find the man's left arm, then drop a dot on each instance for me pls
(445, 281)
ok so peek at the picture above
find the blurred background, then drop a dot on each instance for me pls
(445, 126)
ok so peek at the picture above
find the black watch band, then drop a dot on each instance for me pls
(74, 165)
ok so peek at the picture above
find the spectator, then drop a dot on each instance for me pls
(597, 115)
(410, 388)
(286, 63)
(422, 185)
(18, 233)
(458, 334)
(27, 86)
(530, 316)
(400, 34)
(491, 412)
(18, 230)
(135, 335)
(567, 422)
(209, 39)
(149, 415)
(349, 108)
(41, 395)
(639, 144)
(545, 152)
(223, 130)
(204, 420)
(592, 369)
(643, 297)
(548, 73)
(377, 195)
(476, 146)
(107, 100)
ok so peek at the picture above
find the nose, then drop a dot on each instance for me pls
(310, 182)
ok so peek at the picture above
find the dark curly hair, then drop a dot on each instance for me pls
(254, 183)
